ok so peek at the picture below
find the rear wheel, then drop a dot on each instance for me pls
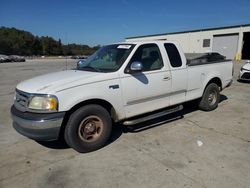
(88, 128)
(210, 98)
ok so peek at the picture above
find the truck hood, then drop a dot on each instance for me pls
(53, 82)
(247, 66)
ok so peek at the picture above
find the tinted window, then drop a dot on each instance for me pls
(150, 57)
(173, 55)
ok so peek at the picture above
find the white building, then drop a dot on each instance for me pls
(232, 42)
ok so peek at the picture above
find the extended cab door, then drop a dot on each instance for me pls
(179, 74)
(149, 89)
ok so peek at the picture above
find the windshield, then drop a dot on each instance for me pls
(107, 59)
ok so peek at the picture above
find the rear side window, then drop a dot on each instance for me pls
(173, 55)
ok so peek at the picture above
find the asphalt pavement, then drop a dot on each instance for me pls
(187, 149)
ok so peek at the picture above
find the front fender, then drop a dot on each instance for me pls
(73, 96)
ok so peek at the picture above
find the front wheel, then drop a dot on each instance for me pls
(88, 128)
(210, 98)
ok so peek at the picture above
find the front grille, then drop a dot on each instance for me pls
(21, 101)
(246, 75)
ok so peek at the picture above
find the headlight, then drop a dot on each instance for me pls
(45, 103)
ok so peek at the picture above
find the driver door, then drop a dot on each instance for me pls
(149, 89)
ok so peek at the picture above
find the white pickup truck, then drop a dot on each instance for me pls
(124, 82)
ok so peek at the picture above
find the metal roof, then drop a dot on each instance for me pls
(190, 31)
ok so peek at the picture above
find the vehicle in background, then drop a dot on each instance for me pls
(11, 58)
(16, 58)
(245, 72)
(4, 58)
(79, 57)
(125, 82)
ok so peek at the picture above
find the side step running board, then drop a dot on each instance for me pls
(152, 116)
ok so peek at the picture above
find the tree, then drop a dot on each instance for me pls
(14, 41)
(37, 47)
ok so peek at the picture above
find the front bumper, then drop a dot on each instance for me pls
(40, 127)
(244, 75)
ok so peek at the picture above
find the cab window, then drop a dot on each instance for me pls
(150, 57)
(173, 55)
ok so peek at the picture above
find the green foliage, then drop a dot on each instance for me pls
(18, 42)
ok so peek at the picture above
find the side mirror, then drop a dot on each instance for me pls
(136, 66)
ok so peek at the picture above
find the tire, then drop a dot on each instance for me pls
(210, 98)
(88, 128)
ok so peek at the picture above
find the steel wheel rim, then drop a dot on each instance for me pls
(212, 98)
(90, 129)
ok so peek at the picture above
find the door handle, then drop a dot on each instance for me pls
(166, 78)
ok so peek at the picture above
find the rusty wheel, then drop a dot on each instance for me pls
(88, 128)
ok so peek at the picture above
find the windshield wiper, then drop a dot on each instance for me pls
(89, 67)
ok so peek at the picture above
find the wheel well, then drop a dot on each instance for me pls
(217, 81)
(100, 102)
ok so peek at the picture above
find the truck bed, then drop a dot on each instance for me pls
(194, 59)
